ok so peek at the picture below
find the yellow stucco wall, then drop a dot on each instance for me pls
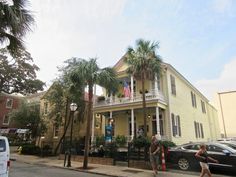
(181, 104)
(228, 102)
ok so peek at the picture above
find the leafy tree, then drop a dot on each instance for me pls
(15, 22)
(60, 95)
(18, 74)
(88, 73)
(143, 63)
(28, 116)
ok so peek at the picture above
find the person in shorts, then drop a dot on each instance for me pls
(154, 151)
(203, 157)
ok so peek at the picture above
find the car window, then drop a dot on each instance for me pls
(2, 145)
(192, 147)
(214, 148)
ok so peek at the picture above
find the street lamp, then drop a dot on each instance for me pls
(73, 107)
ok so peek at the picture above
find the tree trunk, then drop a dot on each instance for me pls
(67, 123)
(88, 130)
(144, 105)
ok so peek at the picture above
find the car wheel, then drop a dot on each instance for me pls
(183, 164)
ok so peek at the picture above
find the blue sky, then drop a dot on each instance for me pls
(197, 37)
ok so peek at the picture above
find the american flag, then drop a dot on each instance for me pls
(126, 89)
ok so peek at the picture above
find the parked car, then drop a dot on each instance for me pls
(4, 156)
(184, 156)
(231, 144)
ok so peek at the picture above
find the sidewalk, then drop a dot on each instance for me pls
(106, 170)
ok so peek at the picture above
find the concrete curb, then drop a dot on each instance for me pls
(66, 168)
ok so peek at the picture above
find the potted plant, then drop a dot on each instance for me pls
(120, 95)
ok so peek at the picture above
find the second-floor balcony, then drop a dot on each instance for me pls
(136, 97)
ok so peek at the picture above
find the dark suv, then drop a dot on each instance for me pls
(184, 156)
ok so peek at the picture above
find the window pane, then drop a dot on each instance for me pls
(2, 145)
(9, 103)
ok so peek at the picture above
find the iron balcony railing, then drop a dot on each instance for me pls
(137, 97)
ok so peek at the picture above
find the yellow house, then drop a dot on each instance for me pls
(225, 103)
(176, 110)
(54, 131)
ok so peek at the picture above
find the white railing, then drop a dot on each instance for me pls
(150, 95)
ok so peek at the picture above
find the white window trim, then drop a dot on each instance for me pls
(9, 99)
(54, 131)
(3, 122)
(177, 135)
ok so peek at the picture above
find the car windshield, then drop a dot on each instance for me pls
(231, 145)
(228, 148)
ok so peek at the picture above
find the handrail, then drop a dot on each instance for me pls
(151, 95)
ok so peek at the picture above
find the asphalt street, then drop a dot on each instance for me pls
(28, 170)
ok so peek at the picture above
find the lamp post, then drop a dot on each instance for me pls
(73, 107)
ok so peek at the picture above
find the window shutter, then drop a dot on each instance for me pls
(195, 126)
(179, 127)
(202, 133)
(173, 124)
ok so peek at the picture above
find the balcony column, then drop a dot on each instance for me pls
(110, 98)
(132, 124)
(110, 122)
(156, 85)
(158, 135)
(132, 87)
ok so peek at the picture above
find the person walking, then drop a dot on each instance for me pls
(204, 158)
(154, 151)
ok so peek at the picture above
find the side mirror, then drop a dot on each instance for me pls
(226, 152)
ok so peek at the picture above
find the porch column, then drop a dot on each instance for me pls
(110, 123)
(132, 87)
(156, 85)
(158, 135)
(132, 124)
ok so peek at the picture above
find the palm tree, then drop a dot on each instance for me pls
(90, 74)
(15, 22)
(143, 63)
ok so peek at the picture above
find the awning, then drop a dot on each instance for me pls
(22, 130)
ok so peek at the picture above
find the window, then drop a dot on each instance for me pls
(214, 148)
(192, 147)
(193, 98)
(176, 128)
(56, 129)
(173, 86)
(203, 106)
(6, 120)
(154, 125)
(45, 108)
(2, 145)
(199, 133)
(9, 103)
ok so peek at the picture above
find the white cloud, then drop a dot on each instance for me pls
(222, 6)
(69, 28)
(225, 82)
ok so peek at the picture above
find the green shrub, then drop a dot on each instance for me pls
(120, 140)
(46, 150)
(167, 144)
(141, 142)
(110, 149)
(30, 149)
(100, 140)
